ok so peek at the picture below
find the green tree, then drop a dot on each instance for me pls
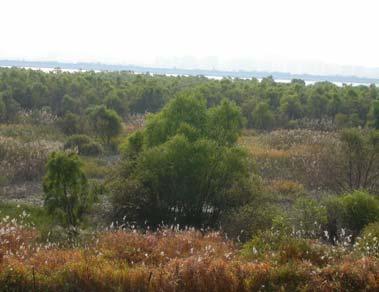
(375, 113)
(113, 102)
(2, 109)
(71, 124)
(66, 189)
(70, 104)
(361, 158)
(263, 118)
(105, 122)
(183, 168)
(291, 107)
(225, 123)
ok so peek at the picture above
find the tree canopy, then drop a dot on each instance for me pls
(185, 166)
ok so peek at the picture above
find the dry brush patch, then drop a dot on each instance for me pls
(23, 161)
(169, 260)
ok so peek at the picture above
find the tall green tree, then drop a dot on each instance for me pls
(66, 189)
(263, 118)
(375, 113)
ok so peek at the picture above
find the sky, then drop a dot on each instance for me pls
(299, 36)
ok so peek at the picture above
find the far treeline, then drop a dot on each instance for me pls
(265, 105)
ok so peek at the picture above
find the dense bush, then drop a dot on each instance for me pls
(184, 167)
(351, 212)
(244, 222)
(66, 190)
(368, 241)
(105, 123)
(360, 209)
(308, 217)
(283, 247)
(84, 145)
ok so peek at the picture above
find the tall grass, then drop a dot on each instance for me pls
(173, 260)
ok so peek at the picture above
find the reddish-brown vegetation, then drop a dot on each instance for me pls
(169, 260)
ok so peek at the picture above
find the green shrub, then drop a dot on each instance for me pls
(84, 144)
(91, 149)
(66, 189)
(360, 209)
(308, 217)
(71, 124)
(242, 223)
(94, 168)
(188, 164)
(284, 247)
(352, 212)
(368, 242)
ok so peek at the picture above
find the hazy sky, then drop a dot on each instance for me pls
(220, 34)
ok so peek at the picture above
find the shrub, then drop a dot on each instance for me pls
(352, 212)
(186, 164)
(84, 144)
(308, 217)
(279, 246)
(106, 123)
(77, 141)
(360, 209)
(368, 242)
(70, 124)
(91, 149)
(242, 223)
(66, 189)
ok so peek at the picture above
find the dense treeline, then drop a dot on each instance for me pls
(265, 105)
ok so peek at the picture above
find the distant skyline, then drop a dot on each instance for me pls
(297, 36)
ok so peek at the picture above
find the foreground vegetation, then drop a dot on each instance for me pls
(180, 260)
(117, 181)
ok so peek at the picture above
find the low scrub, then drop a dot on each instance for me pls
(174, 260)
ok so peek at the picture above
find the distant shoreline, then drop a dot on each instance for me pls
(339, 79)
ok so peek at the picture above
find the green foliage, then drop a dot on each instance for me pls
(368, 241)
(263, 118)
(31, 215)
(105, 123)
(183, 173)
(361, 151)
(291, 107)
(149, 96)
(265, 104)
(95, 168)
(84, 144)
(375, 112)
(284, 248)
(183, 111)
(71, 124)
(2, 109)
(66, 189)
(360, 209)
(225, 123)
(243, 222)
(308, 217)
(70, 105)
(352, 212)
(115, 103)
(133, 145)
